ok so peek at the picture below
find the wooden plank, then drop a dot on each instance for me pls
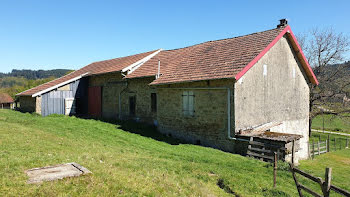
(340, 191)
(309, 190)
(259, 150)
(258, 155)
(266, 145)
(309, 176)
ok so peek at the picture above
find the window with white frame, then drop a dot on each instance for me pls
(188, 103)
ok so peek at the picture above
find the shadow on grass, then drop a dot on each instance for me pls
(142, 129)
(147, 130)
(132, 126)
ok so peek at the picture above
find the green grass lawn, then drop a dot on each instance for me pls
(132, 164)
(332, 123)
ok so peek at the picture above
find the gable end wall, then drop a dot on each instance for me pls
(278, 92)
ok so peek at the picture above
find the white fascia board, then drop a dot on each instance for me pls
(59, 85)
(137, 64)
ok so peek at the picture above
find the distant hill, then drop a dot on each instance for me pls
(35, 74)
(19, 80)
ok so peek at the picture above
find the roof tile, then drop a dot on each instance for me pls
(5, 98)
(100, 67)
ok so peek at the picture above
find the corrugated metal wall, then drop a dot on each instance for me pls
(53, 102)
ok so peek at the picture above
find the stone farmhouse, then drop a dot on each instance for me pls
(223, 94)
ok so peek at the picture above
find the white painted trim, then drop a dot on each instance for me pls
(59, 85)
(137, 64)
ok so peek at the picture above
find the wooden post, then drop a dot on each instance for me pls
(293, 152)
(328, 143)
(249, 144)
(319, 138)
(313, 149)
(275, 169)
(318, 148)
(347, 143)
(327, 183)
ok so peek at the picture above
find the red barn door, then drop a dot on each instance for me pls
(94, 100)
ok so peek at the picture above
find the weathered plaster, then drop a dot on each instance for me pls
(278, 91)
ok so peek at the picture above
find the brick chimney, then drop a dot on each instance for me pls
(283, 23)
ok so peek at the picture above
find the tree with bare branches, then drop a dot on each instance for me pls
(323, 48)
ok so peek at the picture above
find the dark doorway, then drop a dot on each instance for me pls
(94, 100)
(153, 102)
(132, 105)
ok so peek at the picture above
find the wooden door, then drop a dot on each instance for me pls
(94, 101)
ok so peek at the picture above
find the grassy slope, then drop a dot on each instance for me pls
(331, 123)
(123, 163)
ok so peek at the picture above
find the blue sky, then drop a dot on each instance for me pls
(71, 34)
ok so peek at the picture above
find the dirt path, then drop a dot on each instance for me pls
(331, 132)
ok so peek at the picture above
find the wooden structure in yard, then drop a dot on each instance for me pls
(264, 144)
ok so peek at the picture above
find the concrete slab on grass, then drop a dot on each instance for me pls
(50, 173)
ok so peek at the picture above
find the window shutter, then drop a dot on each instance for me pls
(185, 102)
(190, 103)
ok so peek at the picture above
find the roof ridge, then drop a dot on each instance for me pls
(281, 28)
(122, 57)
(48, 82)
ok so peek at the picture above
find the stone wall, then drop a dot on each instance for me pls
(208, 125)
(27, 104)
(275, 89)
(111, 84)
(142, 91)
(114, 86)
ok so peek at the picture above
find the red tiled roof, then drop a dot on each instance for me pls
(220, 59)
(105, 66)
(5, 98)
(210, 60)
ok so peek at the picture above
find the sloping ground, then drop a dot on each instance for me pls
(123, 163)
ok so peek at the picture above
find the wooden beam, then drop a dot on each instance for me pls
(309, 190)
